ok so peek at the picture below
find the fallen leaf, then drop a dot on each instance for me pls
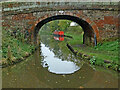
(81, 87)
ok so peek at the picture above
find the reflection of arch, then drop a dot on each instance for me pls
(48, 79)
(89, 34)
(77, 79)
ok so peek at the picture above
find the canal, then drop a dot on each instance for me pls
(53, 65)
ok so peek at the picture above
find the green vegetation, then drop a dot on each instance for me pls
(75, 32)
(77, 35)
(13, 49)
(60, 49)
(105, 54)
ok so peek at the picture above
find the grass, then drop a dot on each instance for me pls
(14, 48)
(77, 33)
(106, 51)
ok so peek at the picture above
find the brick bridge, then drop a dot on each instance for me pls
(98, 20)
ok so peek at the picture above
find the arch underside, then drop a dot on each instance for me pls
(88, 37)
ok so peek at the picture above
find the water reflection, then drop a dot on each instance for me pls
(59, 38)
(56, 65)
(58, 35)
(51, 54)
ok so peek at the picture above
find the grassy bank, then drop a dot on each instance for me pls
(13, 49)
(76, 33)
(105, 54)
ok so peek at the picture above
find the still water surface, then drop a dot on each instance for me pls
(54, 66)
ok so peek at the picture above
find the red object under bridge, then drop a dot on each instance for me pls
(58, 35)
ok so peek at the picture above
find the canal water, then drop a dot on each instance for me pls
(53, 65)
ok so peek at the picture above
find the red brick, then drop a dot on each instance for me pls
(4, 24)
(71, 14)
(96, 31)
(32, 28)
(38, 3)
(99, 23)
(117, 22)
(108, 20)
(10, 5)
(88, 20)
(80, 12)
(23, 16)
(30, 22)
(78, 15)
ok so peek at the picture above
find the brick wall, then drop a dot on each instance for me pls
(102, 18)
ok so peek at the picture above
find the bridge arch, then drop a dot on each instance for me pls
(89, 37)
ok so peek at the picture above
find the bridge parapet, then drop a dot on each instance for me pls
(22, 7)
(102, 17)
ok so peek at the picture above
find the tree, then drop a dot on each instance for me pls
(64, 24)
